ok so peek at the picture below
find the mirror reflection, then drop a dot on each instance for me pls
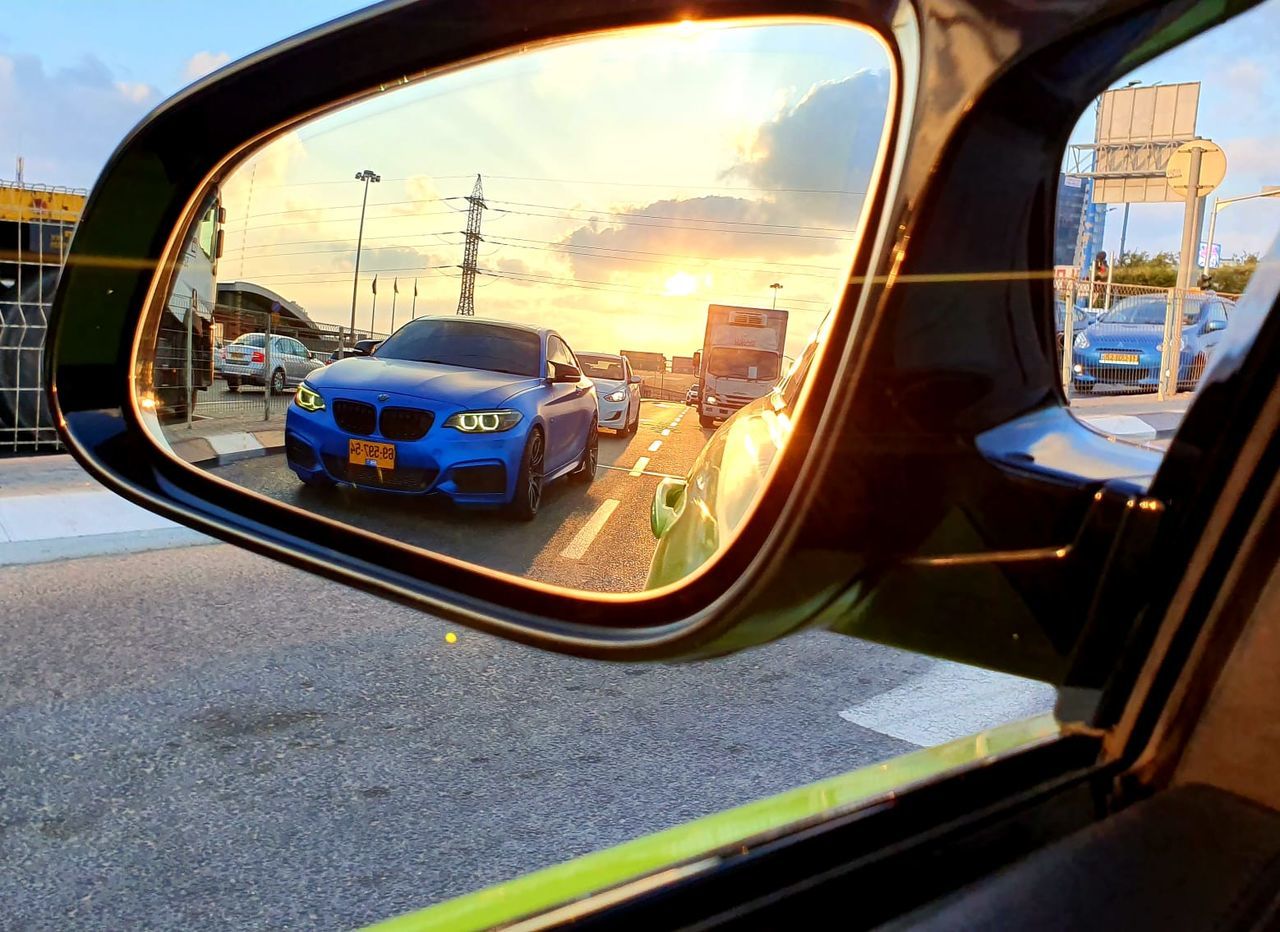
(549, 314)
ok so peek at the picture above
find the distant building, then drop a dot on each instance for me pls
(1075, 204)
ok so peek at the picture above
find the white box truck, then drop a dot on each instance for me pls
(741, 358)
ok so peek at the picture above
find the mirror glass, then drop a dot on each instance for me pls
(549, 314)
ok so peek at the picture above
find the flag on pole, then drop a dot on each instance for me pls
(375, 284)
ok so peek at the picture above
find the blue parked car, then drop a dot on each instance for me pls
(485, 412)
(1123, 347)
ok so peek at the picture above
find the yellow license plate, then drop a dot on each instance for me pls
(371, 453)
(1124, 359)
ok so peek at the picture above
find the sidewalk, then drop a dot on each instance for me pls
(217, 441)
(51, 509)
(1136, 418)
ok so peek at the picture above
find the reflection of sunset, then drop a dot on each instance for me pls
(680, 285)
(617, 206)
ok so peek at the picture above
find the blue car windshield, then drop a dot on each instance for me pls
(1146, 310)
(468, 344)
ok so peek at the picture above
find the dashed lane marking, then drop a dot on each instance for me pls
(582, 540)
(638, 468)
(647, 472)
(653, 447)
(667, 432)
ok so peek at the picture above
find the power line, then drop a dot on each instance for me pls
(664, 226)
(623, 213)
(569, 250)
(643, 252)
(678, 187)
(592, 285)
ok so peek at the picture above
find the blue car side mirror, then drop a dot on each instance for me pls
(1215, 325)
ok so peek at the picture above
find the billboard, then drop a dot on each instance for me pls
(1138, 129)
(646, 362)
(683, 365)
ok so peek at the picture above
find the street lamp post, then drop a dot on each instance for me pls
(776, 286)
(366, 176)
(1270, 190)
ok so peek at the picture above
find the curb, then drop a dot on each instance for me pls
(224, 449)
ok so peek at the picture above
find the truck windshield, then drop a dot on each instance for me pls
(471, 345)
(742, 362)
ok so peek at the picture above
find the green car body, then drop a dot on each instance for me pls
(695, 517)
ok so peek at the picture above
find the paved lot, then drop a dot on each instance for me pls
(595, 537)
(200, 738)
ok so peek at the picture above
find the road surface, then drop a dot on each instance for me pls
(595, 537)
(201, 738)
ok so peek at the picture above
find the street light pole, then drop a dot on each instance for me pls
(366, 176)
(776, 286)
(1270, 190)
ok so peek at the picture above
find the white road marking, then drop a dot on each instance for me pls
(638, 468)
(653, 447)
(582, 540)
(660, 475)
(667, 432)
(949, 701)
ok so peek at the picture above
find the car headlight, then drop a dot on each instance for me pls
(619, 395)
(712, 400)
(1081, 341)
(308, 398)
(484, 422)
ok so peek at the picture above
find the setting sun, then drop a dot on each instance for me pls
(680, 285)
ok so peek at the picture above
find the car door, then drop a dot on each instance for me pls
(633, 391)
(563, 410)
(1215, 327)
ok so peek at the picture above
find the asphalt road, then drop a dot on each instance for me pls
(611, 555)
(200, 738)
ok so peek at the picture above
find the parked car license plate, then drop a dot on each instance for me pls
(1123, 359)
(371, 453)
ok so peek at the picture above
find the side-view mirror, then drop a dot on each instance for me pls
(668, 502)
(563, 372)
(1212, 326)
(920, 465)
(636, 380)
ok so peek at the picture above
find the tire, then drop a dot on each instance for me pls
(629, 430)
(233, 385)
(319, 483)
(586, 471)
(529, 480)
(706, 421)
(279, 382)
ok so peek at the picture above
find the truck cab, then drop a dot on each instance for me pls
(741, 359)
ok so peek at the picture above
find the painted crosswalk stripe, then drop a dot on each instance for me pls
(653, 447)
(582, 540)
(638, 468)
(948, 701)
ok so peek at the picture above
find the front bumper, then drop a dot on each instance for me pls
(1088, 368)
(470, 469)
(613, 414)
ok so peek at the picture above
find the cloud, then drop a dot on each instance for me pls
(66, 122)
(202, 63)
(808, 167)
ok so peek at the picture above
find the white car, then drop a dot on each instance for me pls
(617, 390)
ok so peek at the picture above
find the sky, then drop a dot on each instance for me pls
(680, 173)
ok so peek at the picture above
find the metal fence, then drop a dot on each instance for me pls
(26, 293)
(257, 359)
(1135, 339)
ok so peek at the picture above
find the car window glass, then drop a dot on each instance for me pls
(602, 367)
(466, 345)
(1137, 253)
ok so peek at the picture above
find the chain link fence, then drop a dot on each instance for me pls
(1136, 339)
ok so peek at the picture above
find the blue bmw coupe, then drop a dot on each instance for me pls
(484, 412)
